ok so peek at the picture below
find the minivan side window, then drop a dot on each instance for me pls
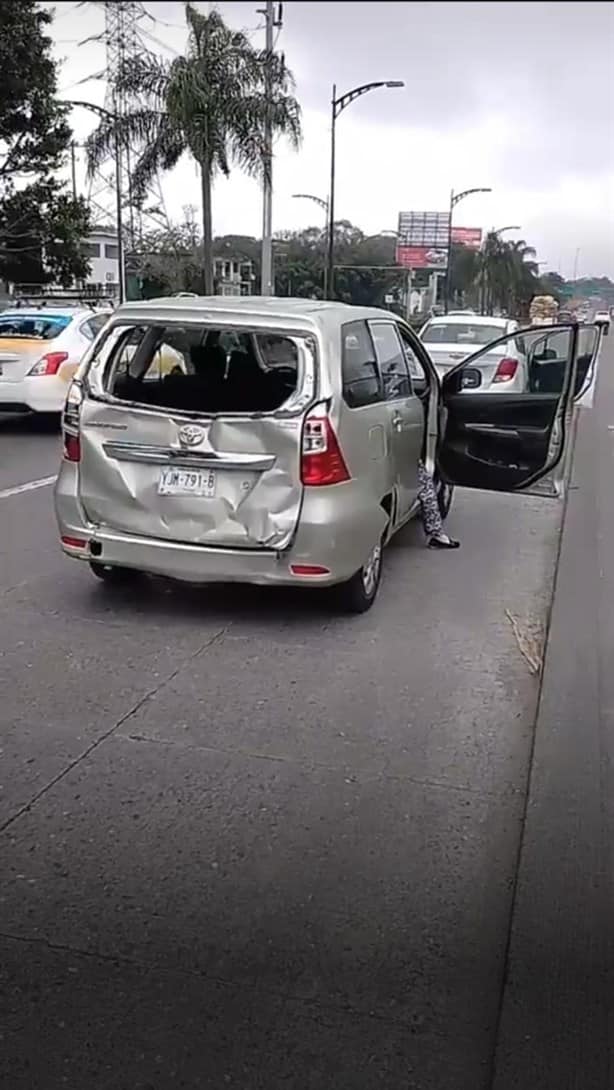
(416, 369)
(359, 371)
(392, 361)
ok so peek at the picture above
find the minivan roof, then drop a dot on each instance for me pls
(261, 308)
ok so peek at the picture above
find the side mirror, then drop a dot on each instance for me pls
(603, 324)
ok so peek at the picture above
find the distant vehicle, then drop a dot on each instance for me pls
(454, 337)
(543, 310)
(468, 311)
(40, 350)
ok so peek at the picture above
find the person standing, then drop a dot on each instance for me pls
(430, 513)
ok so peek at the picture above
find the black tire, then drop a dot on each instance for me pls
(114, 576)
(445, 495)
(358, 594)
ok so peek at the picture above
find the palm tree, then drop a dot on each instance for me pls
(210, 103)
(524, 276)
(508, 275)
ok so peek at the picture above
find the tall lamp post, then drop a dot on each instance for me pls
(456, 198)
(337, 106)
(324, 206)
(117, 154)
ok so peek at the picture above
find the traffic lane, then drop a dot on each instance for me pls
(430, 648)
(359, 866)
(29, 542)
(30, 449)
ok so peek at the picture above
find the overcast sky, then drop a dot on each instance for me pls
(516, 96)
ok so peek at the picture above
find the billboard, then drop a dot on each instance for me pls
(422, 240)
(422, 257)
(468, 236)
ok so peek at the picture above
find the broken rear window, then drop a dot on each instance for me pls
(196, 369)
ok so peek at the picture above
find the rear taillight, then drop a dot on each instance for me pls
(71, 425)
(72, 448)
(49, 364)
(321, 461)
(506, 370)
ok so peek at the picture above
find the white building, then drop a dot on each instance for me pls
(233, 276)
(100, 248)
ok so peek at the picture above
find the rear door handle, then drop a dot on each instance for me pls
(397, 422)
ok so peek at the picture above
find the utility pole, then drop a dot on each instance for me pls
(272, 22)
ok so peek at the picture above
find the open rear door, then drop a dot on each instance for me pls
(493, 438)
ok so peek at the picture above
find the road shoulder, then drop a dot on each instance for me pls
(553, 1030)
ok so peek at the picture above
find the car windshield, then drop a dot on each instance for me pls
(462, 333)
(42, 327)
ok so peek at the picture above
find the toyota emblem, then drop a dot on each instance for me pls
(190, 435)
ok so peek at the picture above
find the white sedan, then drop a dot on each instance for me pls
(453, 337)
(40, 350)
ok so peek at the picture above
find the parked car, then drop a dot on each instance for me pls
(454, 337)
(40, 350)
(283, 446)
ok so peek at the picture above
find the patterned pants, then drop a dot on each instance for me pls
(427, 498)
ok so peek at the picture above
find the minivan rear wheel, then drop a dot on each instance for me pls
(109, 574)
(360, 592)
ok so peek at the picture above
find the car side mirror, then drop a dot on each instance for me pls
(604, 325)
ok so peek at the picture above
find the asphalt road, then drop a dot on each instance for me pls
(247, 842)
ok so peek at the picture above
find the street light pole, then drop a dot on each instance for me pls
(329, 268)
(455, 199)
(117, 153)
(337, 105)
(267, 280)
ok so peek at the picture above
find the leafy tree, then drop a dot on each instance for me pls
(41, 226)
(210, 103)
(365, 270)
(41, 232)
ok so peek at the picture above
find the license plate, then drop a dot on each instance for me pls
(186, 482)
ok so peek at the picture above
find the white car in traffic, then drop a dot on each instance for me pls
(40, 350)
(452, 338)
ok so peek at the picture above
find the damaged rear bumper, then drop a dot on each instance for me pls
(334, 533)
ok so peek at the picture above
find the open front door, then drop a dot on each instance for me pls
(509, 430)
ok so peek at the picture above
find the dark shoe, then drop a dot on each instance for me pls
(443, 543)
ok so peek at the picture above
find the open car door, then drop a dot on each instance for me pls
(510, 441)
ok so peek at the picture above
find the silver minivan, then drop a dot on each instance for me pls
(277, 441)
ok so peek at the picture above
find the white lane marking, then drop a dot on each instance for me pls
(29, 486)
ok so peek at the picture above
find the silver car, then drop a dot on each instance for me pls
(276, 441)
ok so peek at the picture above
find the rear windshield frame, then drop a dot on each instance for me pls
(94, 369)
(499, 331)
